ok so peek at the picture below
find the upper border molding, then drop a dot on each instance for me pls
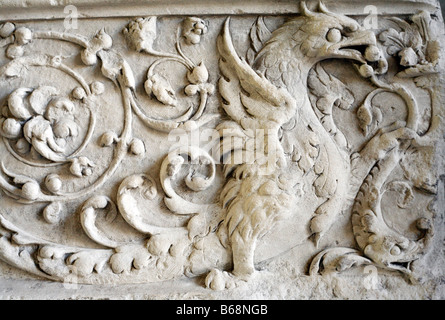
(53, 9)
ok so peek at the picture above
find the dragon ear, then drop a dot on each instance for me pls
(305, 10)
(322, 8)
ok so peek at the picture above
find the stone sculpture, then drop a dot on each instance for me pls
(87, 153)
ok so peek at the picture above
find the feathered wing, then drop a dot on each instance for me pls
(246, 94)
(252, 201)
(259, 34)
(279, 58)
(283, 62)
(279, 62)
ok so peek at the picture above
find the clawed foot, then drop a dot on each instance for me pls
(220, 280)
(323, 220)
(317, 228)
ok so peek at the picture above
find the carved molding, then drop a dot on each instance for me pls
(162, 147)
(45, 9)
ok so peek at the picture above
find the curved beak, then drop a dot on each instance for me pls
(354, 46)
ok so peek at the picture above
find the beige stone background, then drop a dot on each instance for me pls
(280, 278)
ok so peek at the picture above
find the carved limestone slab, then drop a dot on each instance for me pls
(252, 147)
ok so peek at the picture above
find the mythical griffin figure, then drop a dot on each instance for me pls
(291, 170)
(267, 100)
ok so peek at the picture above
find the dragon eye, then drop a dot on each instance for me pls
(334, 35)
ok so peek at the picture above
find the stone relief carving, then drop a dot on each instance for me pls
(76, 117)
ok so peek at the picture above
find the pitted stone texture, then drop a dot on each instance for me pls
(259, 150)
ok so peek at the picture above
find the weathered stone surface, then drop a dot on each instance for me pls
(251, 150)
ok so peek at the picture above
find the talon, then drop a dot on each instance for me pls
(317, 227)
(317, 237)
(217, 280)
(221, 280)
(317, 224)
(321, 222)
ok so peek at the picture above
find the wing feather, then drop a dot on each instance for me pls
(245, 90)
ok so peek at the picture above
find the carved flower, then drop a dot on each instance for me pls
(198, 78)
(159, 87)
(198, 74)
(41, 121)
(412, 43)
(192, 30)
(141, 34)
(99, 42)
(22, 36)
(404, 44)
(51, 122)
(59, 114)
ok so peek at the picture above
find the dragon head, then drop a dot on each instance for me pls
(326, 35)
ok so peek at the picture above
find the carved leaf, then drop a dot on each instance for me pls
(159, 87)
(115, 68)
(108, 138)
(414, 44)
(51, 213)
(171, 166)
(17, 178)
(16, 103)
(409, 35)
(259, 34)
(368, 115)
(86, 262)
(198, 226)
(336, 260)
(329, 90)
(18, 255)
(129, 257)
(423, 21)
(141, 33)
(59, 261)
(323, 185)
(40, 97)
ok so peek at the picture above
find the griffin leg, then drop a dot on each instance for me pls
(243, 256)
(243, 266)
(324, 218)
